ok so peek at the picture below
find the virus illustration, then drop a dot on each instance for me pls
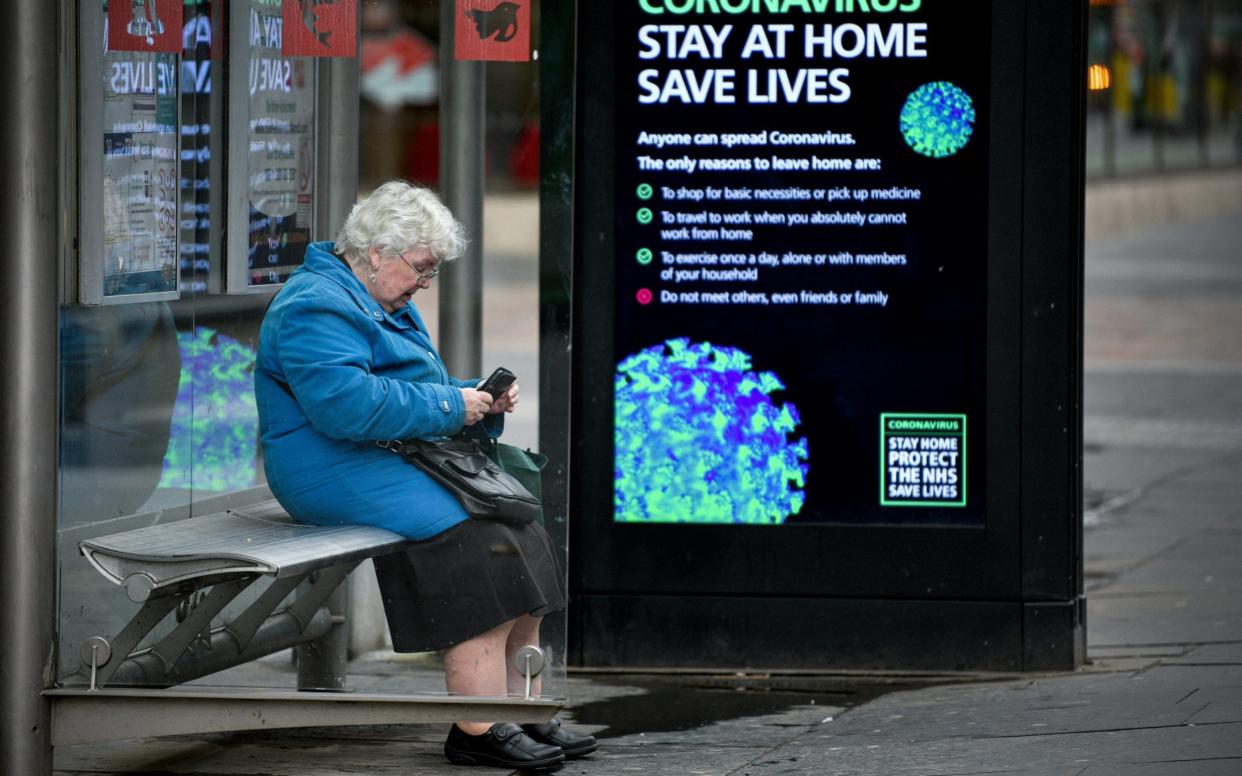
(699, 440)
(938, 119)
(215, 424)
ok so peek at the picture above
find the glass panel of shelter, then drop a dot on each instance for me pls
(160, 423)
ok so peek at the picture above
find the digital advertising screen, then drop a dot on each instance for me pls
(800, 259)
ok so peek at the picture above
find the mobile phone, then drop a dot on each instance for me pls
(498, 382)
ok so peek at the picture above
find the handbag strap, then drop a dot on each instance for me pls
(397, 445)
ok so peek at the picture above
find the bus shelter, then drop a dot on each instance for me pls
(170, 164)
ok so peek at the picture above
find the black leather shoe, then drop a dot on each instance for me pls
(572, 744)
(503, 745)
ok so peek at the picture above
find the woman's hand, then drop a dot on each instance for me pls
(505, 402)
(477, 404)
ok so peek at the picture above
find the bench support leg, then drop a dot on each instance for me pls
(244, 627)
(219, 651)
(322, 663)
(193, 648)
(170, 648)
(150, 615)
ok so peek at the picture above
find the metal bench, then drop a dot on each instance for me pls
(198, 566)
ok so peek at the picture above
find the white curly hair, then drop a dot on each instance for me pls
(395, 218)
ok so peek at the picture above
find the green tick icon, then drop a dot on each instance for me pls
(644, 256)
(644, 215)
(645, 191)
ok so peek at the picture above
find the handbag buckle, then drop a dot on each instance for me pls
(394, 445)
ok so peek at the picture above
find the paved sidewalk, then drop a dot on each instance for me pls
(1162, 693)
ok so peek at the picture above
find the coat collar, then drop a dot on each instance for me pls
(321, 259)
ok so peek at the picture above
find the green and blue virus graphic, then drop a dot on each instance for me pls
(215, 423)
(938, 119)
(699, 439)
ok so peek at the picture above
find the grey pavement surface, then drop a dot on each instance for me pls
(1162, 693)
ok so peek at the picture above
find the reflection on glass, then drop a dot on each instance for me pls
(282, 149)
(120, 369)
(140, 179)
(201, 192)
(215, 426)
(1223, 84)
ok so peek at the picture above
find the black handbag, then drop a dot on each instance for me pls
(525, 465)
(463, 467)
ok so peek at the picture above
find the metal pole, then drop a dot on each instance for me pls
(338, 146)
(30, 77)
(557, 73)
(1199, 91)
(462, 121)
(1110, 114)
(322, 664)
(1156, 85)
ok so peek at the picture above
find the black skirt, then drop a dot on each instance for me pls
(467, 580)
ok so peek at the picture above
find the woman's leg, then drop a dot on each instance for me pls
(525, 631)
(477, 667)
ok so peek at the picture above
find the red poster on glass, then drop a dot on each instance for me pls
(319, 28)
(493, 30)
(145, 25)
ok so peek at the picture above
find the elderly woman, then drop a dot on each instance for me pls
(345, 361)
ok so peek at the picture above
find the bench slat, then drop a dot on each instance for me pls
(259, 539)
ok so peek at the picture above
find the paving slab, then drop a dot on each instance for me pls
(1182, 752)
(1072, 725)
(718, 748)
(1129, 548)
(1158, 393)
(1229, 653)
(1103, 652)
(1121, 470)
(1163, 618)
(1192, 566)
(1122, 545)
(1198, 241)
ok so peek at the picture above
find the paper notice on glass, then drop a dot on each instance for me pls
(140, 179)
(281, 148)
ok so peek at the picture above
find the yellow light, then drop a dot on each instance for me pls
(1099, 78)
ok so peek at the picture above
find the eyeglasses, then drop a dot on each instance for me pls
(427, 275)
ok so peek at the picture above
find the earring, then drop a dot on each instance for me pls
(372, 277)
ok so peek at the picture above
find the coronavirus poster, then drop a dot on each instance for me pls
(800, 236)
